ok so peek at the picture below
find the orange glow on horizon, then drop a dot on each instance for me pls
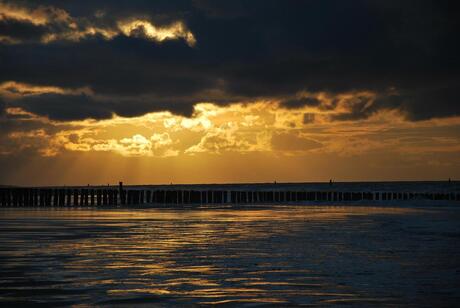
(242, 142)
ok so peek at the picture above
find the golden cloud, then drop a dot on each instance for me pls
(176, 30)
(75, 29)
(41, 15)
(249, 127)
(14, 90)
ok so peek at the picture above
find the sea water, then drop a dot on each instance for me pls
(279, 255)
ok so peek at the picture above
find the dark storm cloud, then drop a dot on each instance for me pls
(300, 102)
(64, 107)
(246, 50)
(77, 107)
(2, 108)
(123, 66)
(425, 104)
(19, 30)
(361, 108)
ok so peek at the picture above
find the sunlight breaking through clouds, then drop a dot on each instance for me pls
(205, 91)
(144, 28)
(41, 15)
(257, 127)
(309, 124)
(56, 24)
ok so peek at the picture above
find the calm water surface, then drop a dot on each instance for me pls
(276, 256)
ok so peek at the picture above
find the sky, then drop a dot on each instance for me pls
(209, 91)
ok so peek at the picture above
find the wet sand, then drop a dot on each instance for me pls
(313, 255)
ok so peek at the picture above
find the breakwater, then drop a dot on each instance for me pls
(221, 194)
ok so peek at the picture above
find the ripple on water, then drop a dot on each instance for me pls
(282, 255)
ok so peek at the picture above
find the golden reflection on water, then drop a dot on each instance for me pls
(209, 256)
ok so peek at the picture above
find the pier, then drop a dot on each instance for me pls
(179, 195)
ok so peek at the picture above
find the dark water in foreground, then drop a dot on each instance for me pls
(284, 255)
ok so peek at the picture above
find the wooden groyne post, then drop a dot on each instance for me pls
(109, 196)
